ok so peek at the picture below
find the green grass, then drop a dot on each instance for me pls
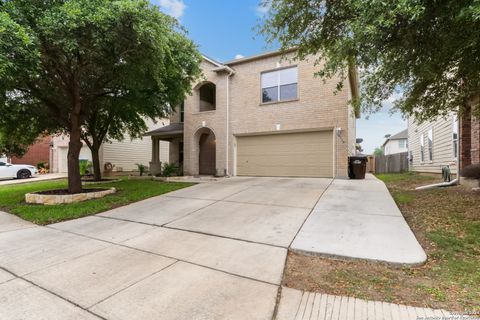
(12, 199)
(405, 176)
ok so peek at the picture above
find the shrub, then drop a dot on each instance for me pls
(84, 166)
(472, 171)
(169, 169)
(42, 165)
(141, 168)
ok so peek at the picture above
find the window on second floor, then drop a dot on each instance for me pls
(207, 97)
(430, 144)
(402, 143)
(279, 85)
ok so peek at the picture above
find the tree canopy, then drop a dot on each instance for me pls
(66, 62)
(429, 49)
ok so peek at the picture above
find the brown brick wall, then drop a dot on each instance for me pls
(475, 141)
(317, 107)
(470, 137)
(37, 152)
(465, 140)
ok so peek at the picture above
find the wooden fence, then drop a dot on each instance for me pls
(392, 163)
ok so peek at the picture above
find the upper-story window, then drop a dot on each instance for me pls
(207, 97)
(455, 136)
(279, 85)
(402, 143)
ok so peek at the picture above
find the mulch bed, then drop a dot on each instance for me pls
(62, 192)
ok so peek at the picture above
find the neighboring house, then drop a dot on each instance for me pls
(262, 116)
(397, 143)
(124, 155)
(445, 141)
(37, 152)
(433, 144)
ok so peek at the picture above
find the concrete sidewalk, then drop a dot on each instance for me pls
(359, 219)
(43, 177)
(303, 305)
(9, 222)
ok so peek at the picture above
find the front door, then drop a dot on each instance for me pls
(207, 154)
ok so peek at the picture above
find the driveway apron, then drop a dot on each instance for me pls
(216, 250)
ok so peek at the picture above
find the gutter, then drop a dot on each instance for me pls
(227, 116)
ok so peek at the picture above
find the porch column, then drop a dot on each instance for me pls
(155, 164)
(155, 143)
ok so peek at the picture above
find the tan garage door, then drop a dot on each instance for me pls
(305, 154)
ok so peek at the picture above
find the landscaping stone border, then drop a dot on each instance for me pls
(50, 199)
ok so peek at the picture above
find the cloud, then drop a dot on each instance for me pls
(263, 8)
(175, 8)
(239, 56)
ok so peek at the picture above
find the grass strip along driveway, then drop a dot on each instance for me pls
(12, 199)
(445, 221)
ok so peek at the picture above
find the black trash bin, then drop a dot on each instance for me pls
(357, 167)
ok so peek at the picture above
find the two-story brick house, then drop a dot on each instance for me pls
(262, 116)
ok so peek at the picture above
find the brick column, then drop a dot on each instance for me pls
(475, 140)
(465, 139)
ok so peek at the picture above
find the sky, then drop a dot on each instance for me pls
(225, 30)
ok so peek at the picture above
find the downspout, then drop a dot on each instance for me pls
(227, 148)
(227, 116)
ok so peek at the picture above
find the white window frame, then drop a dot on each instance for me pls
(430, 144)
(278, 72)
(402, 143)
(455, 137)
(422, 148)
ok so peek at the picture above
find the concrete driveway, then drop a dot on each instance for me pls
(212, 251)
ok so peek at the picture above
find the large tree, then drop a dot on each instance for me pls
(428, 49)
(113, 121)
(68, 60)
(17, 136)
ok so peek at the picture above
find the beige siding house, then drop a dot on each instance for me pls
(433, 144)
(124, 155)
(262, 116)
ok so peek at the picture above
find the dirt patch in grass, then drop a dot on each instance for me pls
(445, 221)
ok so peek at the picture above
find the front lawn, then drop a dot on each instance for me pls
(12, 199)
(445, 221)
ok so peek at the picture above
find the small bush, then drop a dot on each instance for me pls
(141, 168)
(85, 166)
(169, 170)
(42, 165)
(472, 171)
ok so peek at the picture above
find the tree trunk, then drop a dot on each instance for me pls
(74, 147)
(97, 174)
(75, 144)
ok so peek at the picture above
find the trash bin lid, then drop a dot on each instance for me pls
(359, 158)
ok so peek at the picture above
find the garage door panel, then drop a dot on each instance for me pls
(307, 154)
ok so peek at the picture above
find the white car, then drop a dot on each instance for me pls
(20, 171)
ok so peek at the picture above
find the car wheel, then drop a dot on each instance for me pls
(23, 174)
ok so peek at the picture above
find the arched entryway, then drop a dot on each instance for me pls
(207, 152)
